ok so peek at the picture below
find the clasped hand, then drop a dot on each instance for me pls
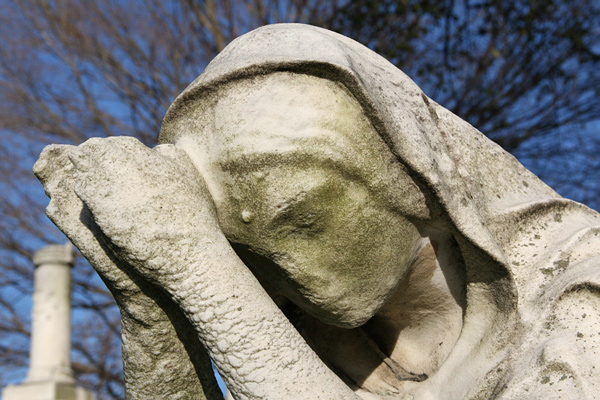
(145, 215)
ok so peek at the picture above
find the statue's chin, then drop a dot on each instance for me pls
(339, 312)
(345, 321)
(338, 305)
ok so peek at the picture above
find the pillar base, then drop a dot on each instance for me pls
(46, 391)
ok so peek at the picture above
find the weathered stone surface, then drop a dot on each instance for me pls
(389, 249)
(161, 354)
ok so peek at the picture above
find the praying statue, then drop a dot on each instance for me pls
(318, 228)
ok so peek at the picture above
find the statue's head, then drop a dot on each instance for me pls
(325, 160)
(308, 193)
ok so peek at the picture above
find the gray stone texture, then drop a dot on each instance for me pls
(321, 229)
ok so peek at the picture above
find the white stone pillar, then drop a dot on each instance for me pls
(50, 358)
(50, 376)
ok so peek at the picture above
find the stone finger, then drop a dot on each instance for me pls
(52, 162)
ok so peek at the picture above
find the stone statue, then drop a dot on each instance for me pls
(321, 229)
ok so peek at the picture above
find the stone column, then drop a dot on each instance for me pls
(50, 358)
(50, 376)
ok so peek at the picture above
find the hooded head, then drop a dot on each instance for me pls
(427, 164)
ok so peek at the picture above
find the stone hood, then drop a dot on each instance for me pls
(468, 180)
(475, 190)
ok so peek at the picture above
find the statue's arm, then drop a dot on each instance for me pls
(161, 354)
(154, 207)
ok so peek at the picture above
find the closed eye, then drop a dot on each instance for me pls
(298, 221)
(301, 215)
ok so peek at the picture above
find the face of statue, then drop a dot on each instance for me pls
(297, 173)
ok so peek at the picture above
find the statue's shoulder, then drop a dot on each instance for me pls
(556, 355)
(559, 357)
